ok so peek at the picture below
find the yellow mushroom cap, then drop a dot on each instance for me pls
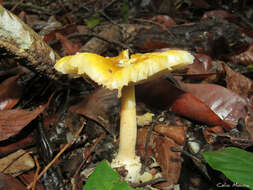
(116, 72)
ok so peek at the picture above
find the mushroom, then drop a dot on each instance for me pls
(122, 73)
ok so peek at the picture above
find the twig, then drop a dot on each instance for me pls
(91, 151)
(29, 6)
(150, 182)
(58, 155)
(16, 5)
(36, 173)
(73, 35)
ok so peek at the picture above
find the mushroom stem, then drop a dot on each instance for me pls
(128, 127)
(128, 132)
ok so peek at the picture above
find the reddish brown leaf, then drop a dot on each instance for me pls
(245, 57)
(69, 47)
(149, 45)
(8, 182)
(218, 14)
(161, 93)
(98, 106)
(201, 4)
(191, 107)
(159, 147)
(238, 83)
(225, 103)
(202, 64)
(169, 161)
(28, 177)
(10, 93)
(12, 121)
(164, 20)
(210, 133)
(175, 133)
(141, 141)
(65, 30)
(23, 143)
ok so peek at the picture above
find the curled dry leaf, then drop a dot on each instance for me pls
(218, 14)
(23, 143)
(238, 83)
(202, 64)
(161, 93)
(193, 108)
(176, 133)
(165, 20)
(169, 161)
(226, 104)
(159, 147)
(28, 177)
(10, 183)
(244, 57)
(16, 163)
(10, 93)
(12, 121)
(68, 46)
(100, 106)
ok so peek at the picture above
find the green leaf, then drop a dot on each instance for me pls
(105, 178)
(235, 163)
(124, 11)
(93, 20)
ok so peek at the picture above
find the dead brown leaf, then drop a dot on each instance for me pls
(10, 93)
(225, 103)
(244, 57)
(176, 133)
(16, 163)
(99, 106)
(69, 47)
(8, 182)
(12, 121)
(169, 161)
(238, 83)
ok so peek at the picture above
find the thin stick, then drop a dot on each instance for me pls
(91, 151)
(36, 173)
(57, 156)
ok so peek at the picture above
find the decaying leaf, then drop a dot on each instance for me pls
(238, 83)
(244, 57)
(159, 147)
(68, 46)
(10, 183)
(169, 161)
(100, 106)
(10, 93)
(161, 93)
(225, 103)
(16, 163)
(12, 121)
(177, 133)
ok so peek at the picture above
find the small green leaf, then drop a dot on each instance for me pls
(235, 163)
(124, 11)
(93, 20)
(105, 178)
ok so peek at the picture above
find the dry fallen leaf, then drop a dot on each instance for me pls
(100, 106)
(169, 161)
(225, 103)
(177, 133)
(7, 182)
(238, 83)
(12, 121)
(16, 163)
(10, 93)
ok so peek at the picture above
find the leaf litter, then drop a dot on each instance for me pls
(211, 97)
